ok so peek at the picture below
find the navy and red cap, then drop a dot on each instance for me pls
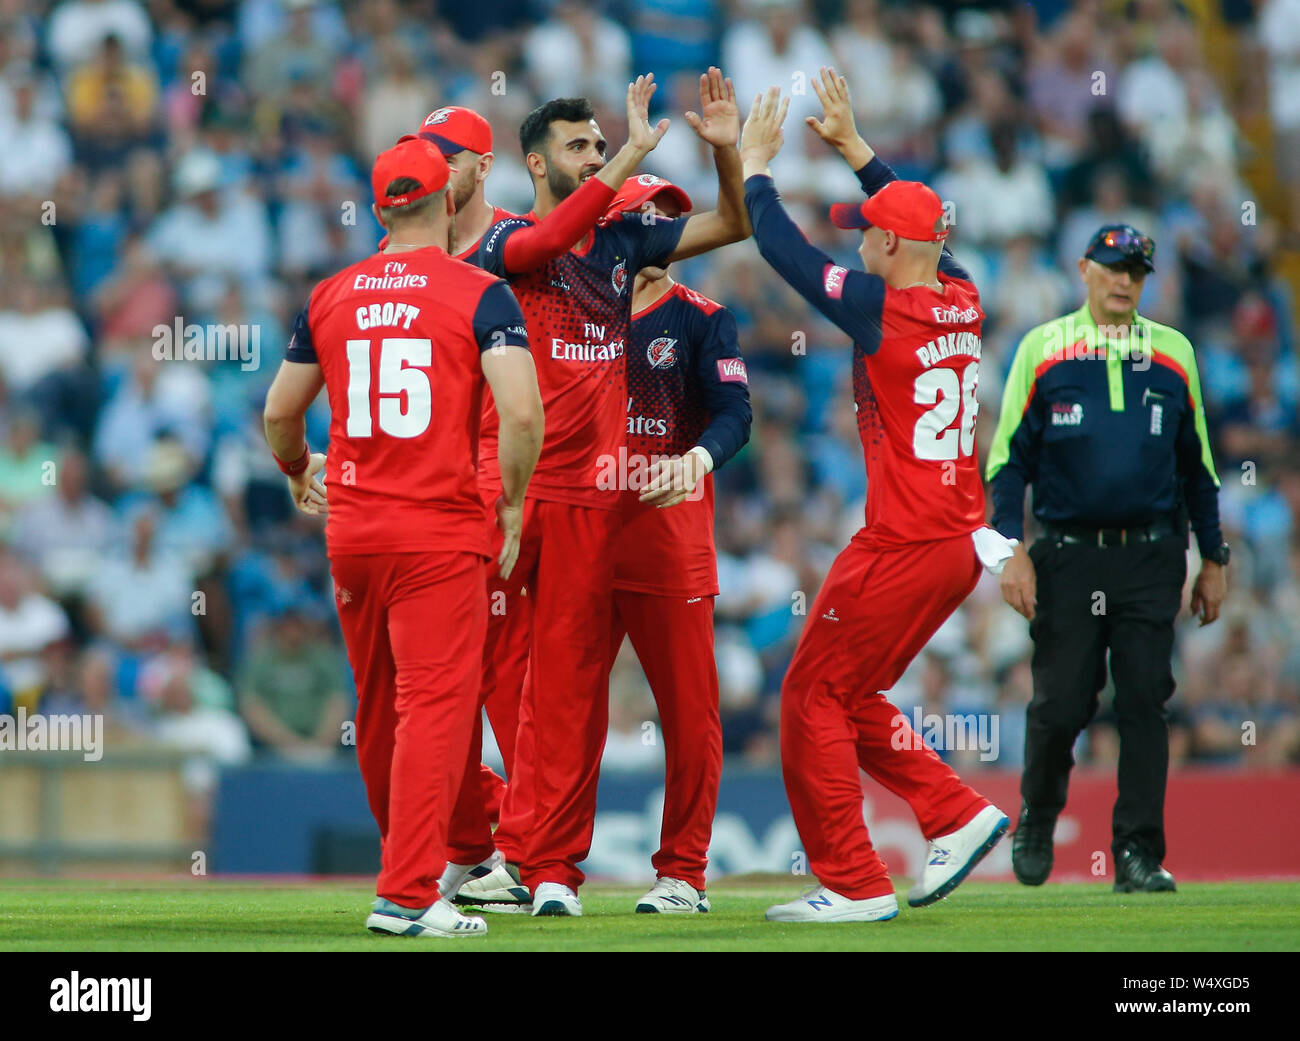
(1121, 244)
(413, 158)
(454, 129)
(639, 189)
(907, 208)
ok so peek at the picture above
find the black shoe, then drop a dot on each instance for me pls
(1031, 850)
(1136, 872)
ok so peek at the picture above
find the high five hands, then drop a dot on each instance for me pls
(640, 134)
(762, 137)
(718, 121)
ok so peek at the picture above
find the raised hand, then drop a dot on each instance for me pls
(837, 127)
(640, 134)
(718, 121)
(762, 136)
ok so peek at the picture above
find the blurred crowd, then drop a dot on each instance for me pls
(167, 165)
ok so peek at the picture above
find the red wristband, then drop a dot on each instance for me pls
(297, 466)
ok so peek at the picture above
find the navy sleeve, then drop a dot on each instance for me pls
(491, 255)
(1020, 470)
(1200, 492)
(725, 385)
(498, 320)
(651, 241)
(301, 349)
(874, 176)
(853, 300)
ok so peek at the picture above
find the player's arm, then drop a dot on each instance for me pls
(718, 123)
(526, 247)
(284, 419)
(508, 369)
(853, 300)
(1201, 493)
(720, 373)
(1012, 464)
(839, 129)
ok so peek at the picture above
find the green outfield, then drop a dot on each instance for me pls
(77, 915)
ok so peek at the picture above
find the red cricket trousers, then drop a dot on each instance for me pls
(566, 563)
(417, 701)
(874, 613)
(673, 640)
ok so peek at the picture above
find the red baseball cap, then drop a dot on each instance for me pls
(636, 191)
(907, 208)
(454, 129)
(413, 158)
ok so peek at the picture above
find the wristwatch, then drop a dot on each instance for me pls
(1219, 556)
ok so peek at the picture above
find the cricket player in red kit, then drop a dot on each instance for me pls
(915, 319)
(404, 342)
(578, 307)
(688, 412)
(465, 139)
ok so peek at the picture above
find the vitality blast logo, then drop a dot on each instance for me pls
(73, 994)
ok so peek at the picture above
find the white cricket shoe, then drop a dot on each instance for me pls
(820, 904)
(673, 896)
(951, 857)
(554, 899)
(440, 919)
(454, 874)
(493, 885)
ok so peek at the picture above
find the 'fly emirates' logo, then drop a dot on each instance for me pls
(594, 348)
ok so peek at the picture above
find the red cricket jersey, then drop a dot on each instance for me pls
(398, 338)
(578, 311)
(683, 348)
(915, 369)
(916, 405)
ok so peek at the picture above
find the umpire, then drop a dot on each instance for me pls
(1102, 414)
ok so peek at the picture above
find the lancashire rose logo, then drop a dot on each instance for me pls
(440, 116)
(662, 353)
(649, 180)
(619, 278)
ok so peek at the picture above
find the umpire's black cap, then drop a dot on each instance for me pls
(1118, 243)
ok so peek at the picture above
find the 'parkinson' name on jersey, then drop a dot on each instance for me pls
(948, 345)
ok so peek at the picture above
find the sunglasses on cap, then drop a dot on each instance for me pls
(1130, 243)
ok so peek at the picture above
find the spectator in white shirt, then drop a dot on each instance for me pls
(579, 53)
(78, 27)
(37, 151)
(777, 45)
(157, 398)
(1000, 199)
(1279, 34)
(142, 599)
(208, 234)
(39, 334)
(66, 535)
(29, 623)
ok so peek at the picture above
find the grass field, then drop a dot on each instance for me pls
(210, 915)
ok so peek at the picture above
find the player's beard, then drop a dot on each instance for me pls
(561, 184)
(451, 236)
(462, 188)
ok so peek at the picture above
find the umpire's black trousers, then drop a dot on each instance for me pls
(1092, 599)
